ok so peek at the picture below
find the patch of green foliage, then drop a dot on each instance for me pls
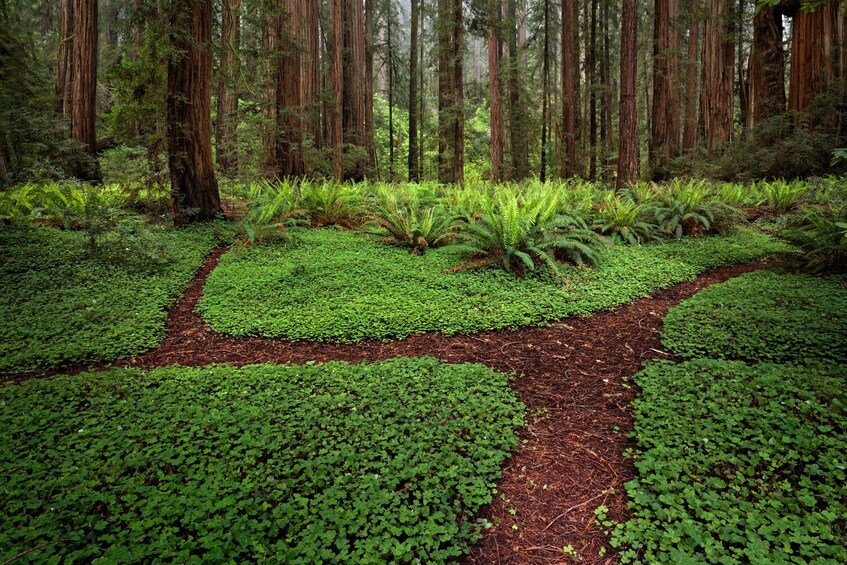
(821, 234)
(738, 464)
(762, 316)
(63, 302)
(334, 463)
(340, 286)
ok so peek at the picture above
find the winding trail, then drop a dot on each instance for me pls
(573, 377)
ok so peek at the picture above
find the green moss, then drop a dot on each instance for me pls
(61, 304)
(762, 316)
(331, 463)
(739, 464)
(340, 286)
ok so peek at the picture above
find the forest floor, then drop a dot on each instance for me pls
(573, 376)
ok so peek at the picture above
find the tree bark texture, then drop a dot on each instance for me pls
(628, 151)
(718, 69)
(665, 127)
(767, 67)
(569, 102)
(227, 118)
(84, 73)
(689, 134)
(194, 190)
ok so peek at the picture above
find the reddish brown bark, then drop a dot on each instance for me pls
(289, 135)
(227, 119)
(84, 73)
(569, 102)
(628, 152)
(194, 190)
(310, 68)
(767, 67)
(718, 67)
(459, 92)
(689, 134)
(64, 69)
(495, 102)
(665, 127)
(335, 130)
(369, 88)
(815, 57)
(270, 46)
(450, 93)
(413, 166)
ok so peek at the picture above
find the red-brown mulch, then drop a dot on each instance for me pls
(572, 376)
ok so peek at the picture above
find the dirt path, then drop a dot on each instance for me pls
(573, 377)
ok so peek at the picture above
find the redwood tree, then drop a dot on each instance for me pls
(289, 134)
(414, 170)
(664, 136)
(64, 69)
(689, 134)
(84, 89)
(194, 190)
(767, 66)
(495, 101)
(628, 152)
(570, 68)
(227, 120)
(717, 78)
(450, 92)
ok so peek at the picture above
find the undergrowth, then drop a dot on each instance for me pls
(63, 304)
(333, 463)
(763, 316)
(340, 286)
(738, 464)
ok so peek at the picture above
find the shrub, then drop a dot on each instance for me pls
(522, 235)
(821, 234)
(623, 219)
(762, 316)
(783, 195)
(330, 203)
(366, 463)
(402, 221)
(738, 464)
(271, 212)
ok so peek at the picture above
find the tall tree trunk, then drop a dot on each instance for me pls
(335, 133)
(459, 93)
(718, 69)
(369, 85)
(225, 137)
(606, 132)
(64, 69)
(743, 80)
(270, 83)
(545, 90)
(767, 67)
(689, 134)
(591, 71)
(84, 92)
(518, 131)
(422, 112)
(310, 68)
(390, 63)
(570, 68)
(664, 137)
(412, 160)
(495, 102)
(628, 152)
(289, 137)
(814, 58)
(194, 190)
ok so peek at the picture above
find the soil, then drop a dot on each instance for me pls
(574, 377)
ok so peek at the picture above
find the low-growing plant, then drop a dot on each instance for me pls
(762, 316)
(272, 211)
(523, 234)
(330, 203)
(821, 234)
(782, 195)
(403, 221)
(335, 463)
(738, 464)
(622, 219)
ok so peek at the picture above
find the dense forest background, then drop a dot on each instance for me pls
(183, 94)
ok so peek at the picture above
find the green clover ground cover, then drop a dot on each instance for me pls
(344, 287)
(62, 304)
(367, 463)
(745, 463)
(739, 464)
(763, 316)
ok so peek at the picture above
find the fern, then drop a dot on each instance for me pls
(401, 220)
